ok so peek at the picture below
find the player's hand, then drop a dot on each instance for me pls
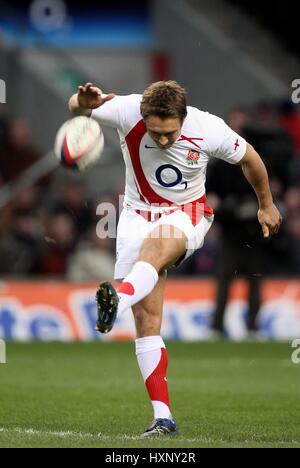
(270, 220)
(91, 97)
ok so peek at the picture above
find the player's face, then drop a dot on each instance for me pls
(163, 131)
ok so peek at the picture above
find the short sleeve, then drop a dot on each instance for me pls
(118, 112)
(110, 113)
(225, 143)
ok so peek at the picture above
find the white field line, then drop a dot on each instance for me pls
(85, 435)
(120, 437)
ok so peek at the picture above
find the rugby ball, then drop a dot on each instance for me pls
(79, 143)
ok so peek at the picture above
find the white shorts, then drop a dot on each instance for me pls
(134, 228)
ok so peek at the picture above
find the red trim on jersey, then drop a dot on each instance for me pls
(190, 140)
(195, 210)
(194, 214)
(133, 141)
(139, 192)
(126, 288)
(156, 383)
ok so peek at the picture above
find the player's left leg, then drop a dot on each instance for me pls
(152, 358)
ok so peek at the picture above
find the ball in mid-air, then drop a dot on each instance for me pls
(79, 143)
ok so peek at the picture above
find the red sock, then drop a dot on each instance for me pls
(153, 362)
(156, 383)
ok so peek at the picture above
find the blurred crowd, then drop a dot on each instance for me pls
(235, 246)
(50, 229)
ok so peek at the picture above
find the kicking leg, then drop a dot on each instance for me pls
(158, 251)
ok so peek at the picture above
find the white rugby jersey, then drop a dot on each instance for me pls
(158, 178)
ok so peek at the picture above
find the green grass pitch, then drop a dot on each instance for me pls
(92, 395)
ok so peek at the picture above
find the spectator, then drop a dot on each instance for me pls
(20, 244)
(3, 131)
(17, 153)
(60, 240)
(240, 248)
(273, 132)
(292, 206)
(92, 260)
(73, 203)
(294, 235)
(290, 121)
(272, 142)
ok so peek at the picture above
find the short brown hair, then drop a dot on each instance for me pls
(164, 99)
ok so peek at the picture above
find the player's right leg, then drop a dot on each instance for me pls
(107, 306)
(142, 259)
(157, 253)
(159, 250)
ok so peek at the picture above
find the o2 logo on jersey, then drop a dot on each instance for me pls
(178, 176)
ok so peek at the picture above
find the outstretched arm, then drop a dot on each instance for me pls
(87, 98)
(256, 174)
